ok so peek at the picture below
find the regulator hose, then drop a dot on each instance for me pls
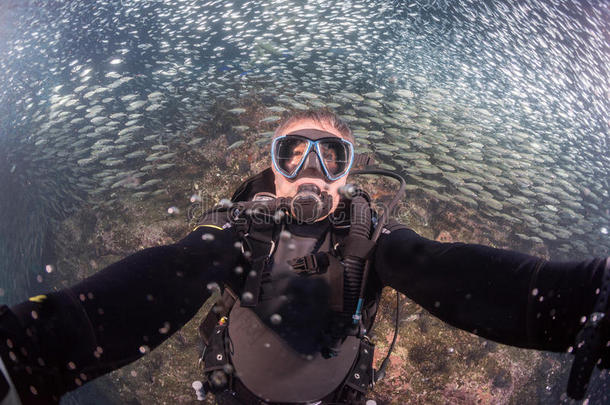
(353, 268)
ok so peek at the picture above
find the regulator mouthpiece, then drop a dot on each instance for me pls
(310, 204)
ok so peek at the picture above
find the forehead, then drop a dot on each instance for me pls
(310, 124)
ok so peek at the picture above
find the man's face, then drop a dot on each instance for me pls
(286, 188)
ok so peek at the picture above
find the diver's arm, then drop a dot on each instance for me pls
(502, 295)
(55, 343)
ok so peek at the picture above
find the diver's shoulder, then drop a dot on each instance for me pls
(392, 226)
(215, 218)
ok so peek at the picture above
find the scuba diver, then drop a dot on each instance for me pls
(299, 258)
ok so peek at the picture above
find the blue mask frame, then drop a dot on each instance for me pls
(315, 144)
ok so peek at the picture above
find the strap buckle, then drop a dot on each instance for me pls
(313, 263)
(305, 264)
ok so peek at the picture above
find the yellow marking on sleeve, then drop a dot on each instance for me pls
(211, 226)
(38, 298)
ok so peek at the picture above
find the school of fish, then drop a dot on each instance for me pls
(501, 107)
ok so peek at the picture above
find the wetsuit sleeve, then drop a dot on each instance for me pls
(502, 295)
(54, 343)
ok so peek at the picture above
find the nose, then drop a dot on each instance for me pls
(312, 162)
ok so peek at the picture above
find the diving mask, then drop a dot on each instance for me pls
(290, 153)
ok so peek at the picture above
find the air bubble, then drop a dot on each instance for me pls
(173, 210)
(49, 268)
(604, 230)
(144, 349)
(207, 237)
(276, 319)
(195, 198)
(247, 296)
(213, 287)
(225, 203)
(348, 191)
(165, 328)
(134, 373)
(285, 235)
(39, 278)
(278, 216)
(535, 292)
(219, 379)
(239, 270)
(437, 304)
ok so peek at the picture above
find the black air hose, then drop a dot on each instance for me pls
(353, 272)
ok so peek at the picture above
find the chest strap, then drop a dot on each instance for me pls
(261, 246)
(314, 263)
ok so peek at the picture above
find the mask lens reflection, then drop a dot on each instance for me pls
(290, 152)
(335, 155)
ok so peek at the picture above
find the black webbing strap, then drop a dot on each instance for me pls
(590, 341)
(315, 262)
(221, 308)
(252, 285)
(360, 376)
(262, 245)
(217, 365)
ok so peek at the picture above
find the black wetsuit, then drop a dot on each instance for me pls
(114, 317)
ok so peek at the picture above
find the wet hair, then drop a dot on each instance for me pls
(322, 116)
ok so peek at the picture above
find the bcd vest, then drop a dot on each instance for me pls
(272, 330)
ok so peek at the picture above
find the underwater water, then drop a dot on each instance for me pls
(494, 112)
